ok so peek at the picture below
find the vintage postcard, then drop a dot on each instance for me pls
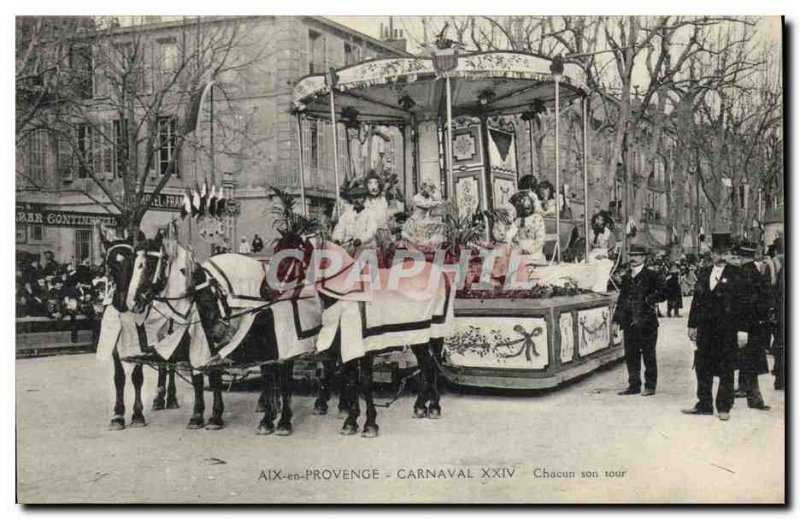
(400, 259)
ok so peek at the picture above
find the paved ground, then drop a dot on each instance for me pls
(489, 448)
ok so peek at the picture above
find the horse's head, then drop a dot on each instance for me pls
(149, 272)
(292, 269)
(119, 260)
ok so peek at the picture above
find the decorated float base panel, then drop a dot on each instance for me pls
(530, 343)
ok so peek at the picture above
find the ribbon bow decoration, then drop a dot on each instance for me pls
(528, 344)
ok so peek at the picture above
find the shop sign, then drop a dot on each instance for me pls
(37, 215)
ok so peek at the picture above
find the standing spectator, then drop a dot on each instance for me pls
(674, 294)
(258, 245)
(244, 246)
(758, 305)
(717, 326)
(641, 291)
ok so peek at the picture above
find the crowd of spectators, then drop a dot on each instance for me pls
(46, 288)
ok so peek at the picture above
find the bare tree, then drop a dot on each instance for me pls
(135, 105)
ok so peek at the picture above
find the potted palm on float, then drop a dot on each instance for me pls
(293, 229)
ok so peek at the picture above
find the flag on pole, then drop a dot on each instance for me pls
(212, 202)
(203, 198)
(195, 203)
(221, 203)
(186, 207)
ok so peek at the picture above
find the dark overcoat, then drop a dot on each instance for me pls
(758, 303)
(638, 297)
(717, 315)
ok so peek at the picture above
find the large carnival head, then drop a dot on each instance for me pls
(600, 221)
(355, 194)
(374, 184)
(427, 198)
(545, 190)
(721, 245)
(524, 203)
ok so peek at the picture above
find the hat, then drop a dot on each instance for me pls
(527, 182)
(745, 249)
(426, 202)
(721, 242)
(353, 191)
(637, 250)
(517, 198)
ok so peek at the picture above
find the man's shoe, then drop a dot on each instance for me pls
(695, 410)
(740, 393)
(761, 407)
(724, 416)
(648, 392)
(629, 391)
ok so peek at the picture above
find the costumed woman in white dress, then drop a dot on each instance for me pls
(422, 229)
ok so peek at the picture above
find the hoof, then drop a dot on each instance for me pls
(434, 413)
(265, 429)
(283, 430)
(138, 421)
(420, 412)
(214, 424)
(370, 431)
(195, 423)
(117, 424)
(319, 410)
(158, 404)
(349, 429)
(173, 404)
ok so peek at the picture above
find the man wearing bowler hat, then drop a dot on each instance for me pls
(718, 326)
(759, 306)
(641, 291)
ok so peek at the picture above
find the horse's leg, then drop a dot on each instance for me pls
(350, 394)
(423, 381)
(137, 377)
(196, 421)
(172, 397)
(118, 420)
(435, 354)
(216, 422)
(325, 369)
(268, 398)
(159, 402)
(285, 371)
(371, 425)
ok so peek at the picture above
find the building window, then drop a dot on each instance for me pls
(84, 149)
(64, 160)
(167, 145)
(37, 232)
(168, 60)
(81, 61)
(349, 55)
(316, 52)
(36, 156)
(104, 150)
(83, 245)
(314, 142)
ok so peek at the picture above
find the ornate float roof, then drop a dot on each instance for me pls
(394, 90)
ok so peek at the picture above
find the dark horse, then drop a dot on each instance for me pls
(357, 373)
(119, 259)
(182, 293)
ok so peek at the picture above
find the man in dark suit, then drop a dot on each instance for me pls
(718, 326)
(759, 304)
(641, 291)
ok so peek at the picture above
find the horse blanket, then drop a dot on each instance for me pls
(376, 313)
(238, 279)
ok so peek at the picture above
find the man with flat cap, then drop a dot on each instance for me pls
(717, 326)
(640, 292)
(759, 306)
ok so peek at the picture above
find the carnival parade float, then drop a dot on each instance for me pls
(538, 313)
